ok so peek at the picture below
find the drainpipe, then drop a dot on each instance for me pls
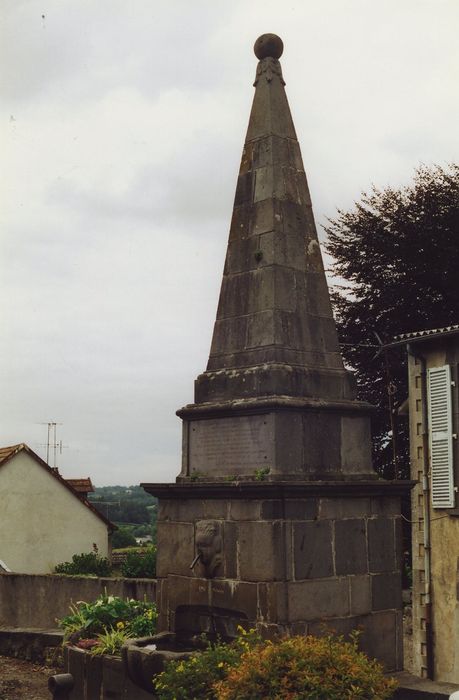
(426, 513)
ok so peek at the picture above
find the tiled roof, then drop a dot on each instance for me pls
(81, 485)
(424, 334)
(6, 453)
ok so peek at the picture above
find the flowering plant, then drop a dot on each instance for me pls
(109, 615)
(326, 668)
(195, 677)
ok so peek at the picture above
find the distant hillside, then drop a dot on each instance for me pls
(125, 505)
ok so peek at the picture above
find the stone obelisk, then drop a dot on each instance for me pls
(277, 518)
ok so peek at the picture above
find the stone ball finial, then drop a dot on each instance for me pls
(268, 45)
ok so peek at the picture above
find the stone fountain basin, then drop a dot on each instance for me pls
(146, 657)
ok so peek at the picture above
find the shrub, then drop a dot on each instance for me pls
(140, 564)
(108, 614)
(196, 676)
(324, 668)
(123, 538)
(89, 564)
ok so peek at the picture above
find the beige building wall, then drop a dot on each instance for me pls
(42, 523)
(444, 531)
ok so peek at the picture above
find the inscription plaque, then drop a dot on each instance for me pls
(238, 445)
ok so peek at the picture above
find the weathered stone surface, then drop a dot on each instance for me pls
(183, 590)
(348, 507)
(351, 547)
(313, 550)
(386, 591)
(309, 600)
(304, 509)
(189, 510)
(360, 587)
(381, 544)
(272, 602)
(237, 596)
(176, 543)
(230, 550)
(261, 545)
(379, 638)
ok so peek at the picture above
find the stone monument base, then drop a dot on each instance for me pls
(284, 557)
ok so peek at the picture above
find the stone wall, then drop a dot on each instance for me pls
(293, 564)
(35, 601)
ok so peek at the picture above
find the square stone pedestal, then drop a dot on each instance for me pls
(284, 557)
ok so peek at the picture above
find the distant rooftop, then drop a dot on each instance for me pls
(82, 486)
(424, 335)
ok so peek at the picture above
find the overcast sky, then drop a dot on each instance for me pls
(122, 125)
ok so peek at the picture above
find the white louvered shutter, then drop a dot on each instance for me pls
(441, 436)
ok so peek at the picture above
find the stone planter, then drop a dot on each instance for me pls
(100, 677)
(145, 658)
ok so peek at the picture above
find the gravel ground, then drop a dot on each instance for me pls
(22, 680)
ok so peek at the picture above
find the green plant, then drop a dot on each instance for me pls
(110, 642)
(195, 475)
(109, 613)
(196, 676)
(85, 564)
(123, 537)
(262, 473)
(326, 668)
(140, 564)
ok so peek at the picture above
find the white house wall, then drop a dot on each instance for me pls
(41, 522)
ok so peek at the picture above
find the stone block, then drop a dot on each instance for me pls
(238, 596)
(301, 509)
(289, 441)
(260, 546)
(385, 505)
(183, 590)
(381, 544)
(379, 638)
(344, 507)
(230, 550)
(386, 591)
(260, 329)
(244, 509)
(93, 676)
(191, 510)
(360, 589)
(243, 189)
(356, 444)
(321, 442)
(272, 510)
(175, 548)
(350, 547)
(263, 217)
(272, 598)
(240, 222)
(313, 557)
(310, 600)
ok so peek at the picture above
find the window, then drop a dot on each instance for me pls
(441, 436)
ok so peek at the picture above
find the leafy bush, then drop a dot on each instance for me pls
(89, 564)
(123, 538)
(195, 677)
(324, 668)
(108, 614)
(140, 564)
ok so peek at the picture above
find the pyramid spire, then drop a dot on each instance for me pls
(274, 333)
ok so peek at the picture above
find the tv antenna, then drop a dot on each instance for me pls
(52, 442)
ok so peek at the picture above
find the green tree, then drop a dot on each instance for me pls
(397, 252)
(123, 538)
